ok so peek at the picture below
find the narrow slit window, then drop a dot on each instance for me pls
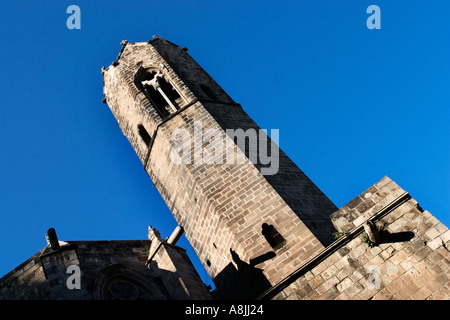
(144, 135)
(273, 237)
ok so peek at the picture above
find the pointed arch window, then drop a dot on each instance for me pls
(160, 92)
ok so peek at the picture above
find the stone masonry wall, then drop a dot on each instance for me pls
(221, 207)
(44, 276)
(178, 274)
(131, 107)
(411, 262)
(26, 281)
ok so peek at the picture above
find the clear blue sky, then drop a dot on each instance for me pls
(352, 104)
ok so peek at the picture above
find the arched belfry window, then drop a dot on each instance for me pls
(273, 237)
(160, 92)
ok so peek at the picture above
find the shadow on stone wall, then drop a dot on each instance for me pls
(244, 282)
(387, 237)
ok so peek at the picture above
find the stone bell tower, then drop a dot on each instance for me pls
(250, 221)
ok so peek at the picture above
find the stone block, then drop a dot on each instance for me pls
(384, 294)
(344, 284)
(399, 257)
(327, 285)
(421, 294)
(354, 289)
(408, 290)
(396, 285)
(435, 243)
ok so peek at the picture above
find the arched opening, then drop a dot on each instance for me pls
(119, 282)
(273, 237)
(160, 92)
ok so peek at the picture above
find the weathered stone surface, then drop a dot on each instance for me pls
(399, 267)
(102, 265)
(222, 207)
(267, 236)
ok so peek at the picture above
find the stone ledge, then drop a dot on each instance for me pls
(364, 206)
